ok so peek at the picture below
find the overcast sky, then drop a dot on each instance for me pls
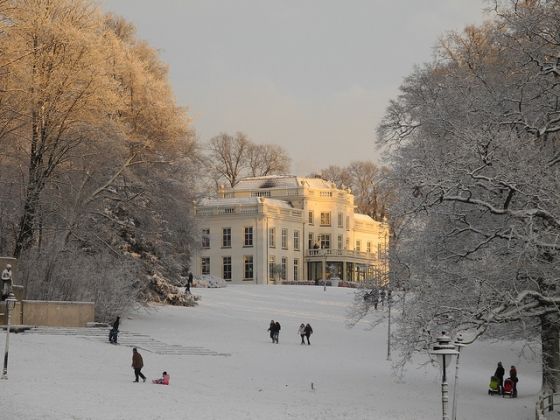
(313, 76)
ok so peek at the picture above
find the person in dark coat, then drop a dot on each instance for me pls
(514, 379)
(114, 331)
(137, 365)
(190, 280)
(499, 374)
(276, 331)
(272, 329)
(308, 331)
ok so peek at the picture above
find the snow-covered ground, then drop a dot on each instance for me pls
(225, 367)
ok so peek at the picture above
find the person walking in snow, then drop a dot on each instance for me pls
(272, 328)
(114, 331)
(137, 365)
(301, 332)
(308, 331)
(514, 379)
(499, 374)
(276, 331)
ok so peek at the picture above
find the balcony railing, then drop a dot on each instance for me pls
(322, 253)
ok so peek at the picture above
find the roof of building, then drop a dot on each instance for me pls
(243, 201)
(281, 181)
(363, 218)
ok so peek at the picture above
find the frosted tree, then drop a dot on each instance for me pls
(475, 154)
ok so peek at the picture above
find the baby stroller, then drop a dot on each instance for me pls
(494, 387)
(509, 388)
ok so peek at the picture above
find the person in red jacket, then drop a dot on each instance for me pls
(164, 380)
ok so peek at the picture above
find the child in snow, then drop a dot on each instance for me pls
(164, 380)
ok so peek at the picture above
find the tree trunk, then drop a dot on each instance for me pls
(550, 336)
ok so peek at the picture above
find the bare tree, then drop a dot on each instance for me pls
(267, 159)
(228, 157)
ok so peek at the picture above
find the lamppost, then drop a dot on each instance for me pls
(389, 301)
(459, 344)
(444, 349)
(10, 305)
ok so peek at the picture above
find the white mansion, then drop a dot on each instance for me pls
(290, 228)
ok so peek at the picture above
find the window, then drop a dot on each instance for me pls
(271, 262)
(284, 238)
(260, 194)
(368, 247)
(347, 222)
(347, 246)
(248, 267)
(358, 246)
(205, 265)
(271, 237)
(310, 216)
(339, 243)
(248, 236)
(226, 268)
(296, 269)
(284, 264)
(205, 238)
(296, 240)
(325, 218)
(226, 237)
(310, 242)
(340, 220)
(325, 240)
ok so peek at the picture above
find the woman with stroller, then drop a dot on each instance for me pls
(499, 374)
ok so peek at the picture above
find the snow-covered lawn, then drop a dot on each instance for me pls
(70, 377)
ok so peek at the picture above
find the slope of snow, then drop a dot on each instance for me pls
(71, 377)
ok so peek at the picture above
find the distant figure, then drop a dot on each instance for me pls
(188, 287)
(276, 331)
(301, 332)
(6, 281)
(316, 246)
(382, 296)
(372, 297)
(137, 364)
(308, 331)
(190, 279)
(114, 331)
(272, 329)
(164, 380)
(499, 374)
(514, 379)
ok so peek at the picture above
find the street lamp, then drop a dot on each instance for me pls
(10, 305)
(459, 344)
(444, 349)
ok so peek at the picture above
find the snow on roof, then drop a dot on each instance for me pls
(281, 181)
(242, 201)
(358, 217)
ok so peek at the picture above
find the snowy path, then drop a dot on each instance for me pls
(76, 374)
(130, 339)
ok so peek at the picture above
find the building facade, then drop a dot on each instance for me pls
(288, 228)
